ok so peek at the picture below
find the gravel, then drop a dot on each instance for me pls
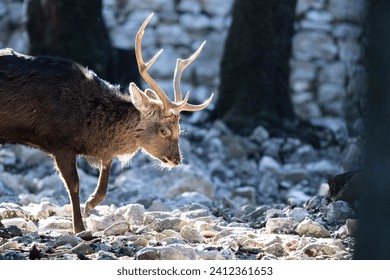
(232, 198)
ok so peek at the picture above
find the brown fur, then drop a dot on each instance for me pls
(64, 109)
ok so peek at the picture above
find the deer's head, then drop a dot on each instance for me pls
(159, 125)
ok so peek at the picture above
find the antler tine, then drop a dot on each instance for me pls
(182, 64)
(144, 67)
(193, 108)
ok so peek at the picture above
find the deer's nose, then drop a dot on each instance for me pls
(172, 161)
(176, 161)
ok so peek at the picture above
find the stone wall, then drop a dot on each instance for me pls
(179, 27)
(328, 76)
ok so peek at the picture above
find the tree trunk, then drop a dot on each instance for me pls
(254, 85)
(374, 224)
(75, 29)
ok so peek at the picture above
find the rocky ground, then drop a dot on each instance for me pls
(263, 196)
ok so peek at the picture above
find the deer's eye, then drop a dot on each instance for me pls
(164, 132)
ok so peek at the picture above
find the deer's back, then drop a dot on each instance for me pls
(44, 101)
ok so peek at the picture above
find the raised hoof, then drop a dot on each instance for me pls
(88, 207)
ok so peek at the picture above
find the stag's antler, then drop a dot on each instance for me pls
(179, 104)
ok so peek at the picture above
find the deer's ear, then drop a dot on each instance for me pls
(152, 95)
(138, 97)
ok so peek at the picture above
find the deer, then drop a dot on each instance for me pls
(67, 111)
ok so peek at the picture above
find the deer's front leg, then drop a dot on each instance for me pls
(101, 189)
(65, 162)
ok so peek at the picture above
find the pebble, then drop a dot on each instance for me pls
(13, 230)
(118, 228)
(315, 250)
(84, 249)
(259, 134)
(134, 213)
(10, 245)
(175, 224)
(281, 225)
(18, 222)
(310, 228)
(338, 212)
(298, 213)
(94, 223)
(142, 242)
(276, 250)
(85, 235)
(148, 254)
(269, 165)
(31, 226)
(103, 255)
(177, 252)
(194, 214)
(191, 235)
(55, 223)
